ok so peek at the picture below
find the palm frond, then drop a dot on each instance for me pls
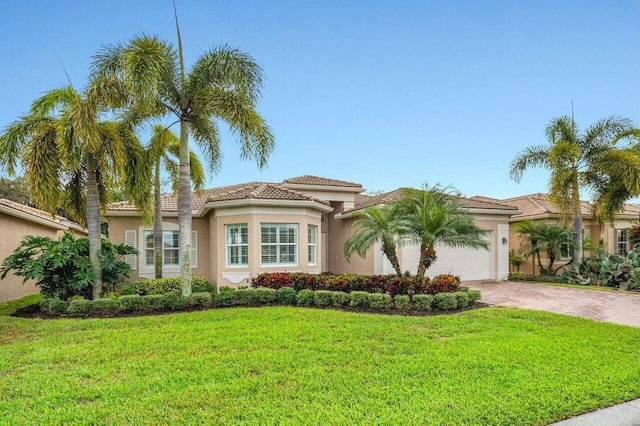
(206, 134)
(536, 156)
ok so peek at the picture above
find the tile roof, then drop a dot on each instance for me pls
(316, 180)
(40, 214)
(250, 190)
(364, 201)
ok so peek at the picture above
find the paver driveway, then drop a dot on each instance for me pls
(608, 306)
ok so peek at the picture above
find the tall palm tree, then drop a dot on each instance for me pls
(73, 159)
(434, 216)
(542, 237)
(163, 150)
(580, 160)
(375, 224)
(223, 84)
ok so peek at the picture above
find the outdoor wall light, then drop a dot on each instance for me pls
(504, 240)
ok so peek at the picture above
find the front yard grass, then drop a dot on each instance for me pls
(286, 365)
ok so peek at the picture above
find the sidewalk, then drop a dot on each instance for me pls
(627, 414)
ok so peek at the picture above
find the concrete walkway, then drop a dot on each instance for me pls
(607, 306)
(627, 414)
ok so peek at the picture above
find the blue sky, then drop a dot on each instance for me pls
(384, 93)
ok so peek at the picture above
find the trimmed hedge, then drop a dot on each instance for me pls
(445, 301)
(104, 306)
(264, 295)
(166, 285)
(402, 302)
(286, 295)
(358, 298)
(199, 300)
(340, 298)
(243, 297)
(474, 296)
(322, 297)
(348, 283)
(131, 303)
(225, 298)
(79, 307)
(423, 302)
(154, 302)
(462, 299)
(305, 298)
(379, 301)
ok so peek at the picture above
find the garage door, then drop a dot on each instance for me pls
(469, 264)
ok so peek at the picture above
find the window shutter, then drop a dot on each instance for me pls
(194, 249)
(130, 240)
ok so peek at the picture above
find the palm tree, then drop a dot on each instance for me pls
(541, 237)
(582, 160)
(163, 150)
(223, 84)
(375, 224)
(434, 216)
(73, 159)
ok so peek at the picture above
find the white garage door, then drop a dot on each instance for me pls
(469, 264)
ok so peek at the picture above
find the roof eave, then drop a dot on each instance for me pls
(327, 188)
(32, 218)
(253, 202)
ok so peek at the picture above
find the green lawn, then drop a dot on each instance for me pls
(282, 365)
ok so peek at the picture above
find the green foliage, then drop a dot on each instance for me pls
(54, 306)
(322, 298)
(225, 298)
(474, 296)
(167, 285)
(445, 301)
(244, 296)
(379, 301)
(339, 298)
(423, 302)
(62, 268)
(154, 302)
(516, 276)
(462, 299)
(358, 298)
(305, 297)
(131, 303)
(226, 288)
(104, 306)
(633, 235)
(199, 300)
(286, 295)
(604, 269)
(402, 302)
(265, 295)
(516, 261)
(79, 307)
(635, 279)
(177, 302)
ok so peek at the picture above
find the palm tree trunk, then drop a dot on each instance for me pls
(185, 209)
(427, 257)
(157, 224)
(391, 254)
(576, 225)
(93, 225)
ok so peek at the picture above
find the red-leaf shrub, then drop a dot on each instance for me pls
(443, 283)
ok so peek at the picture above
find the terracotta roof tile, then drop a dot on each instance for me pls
(60, 220)
(539, 204)
(316, 180)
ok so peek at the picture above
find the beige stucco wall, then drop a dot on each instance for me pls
(338, 232)
(119, 224)
(13, 232)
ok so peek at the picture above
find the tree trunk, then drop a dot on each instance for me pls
(576, 226)
(157, 224)
(391, 254)
(93, 225)
(427, 258)
(185, 209)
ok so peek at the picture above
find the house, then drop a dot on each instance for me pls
(537, 207)
(298, 225)
(16, 222)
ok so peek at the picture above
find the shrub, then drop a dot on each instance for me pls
(379, 301)
(462, 299)
(402, 302)
(54, 306)
(44, 304)
(273, 280)
(463, 288)
(176, 302)
(443, 283)
(322, 297)
(167, 285)
(264, 295)
(225, 297)
(474, 295)
(131, 303)
(225, 288)
(635, 279)
(62, 269)
(128, 291)
(199, 300)
(79, 307)
(243, 296)
(305, 297)
(339, 298)
(358, 298)
(516, 276)
(445, 301)
(104, 306)
(423, 302)
(286, 295)
(155, 302)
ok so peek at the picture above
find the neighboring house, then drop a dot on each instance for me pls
(16, 222)
(537, 207)
(299, 225)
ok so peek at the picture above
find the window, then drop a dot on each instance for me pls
(237, 244)
(312, 232)
(170, 248)
(565, 251)
(622, 246)
(278, 244)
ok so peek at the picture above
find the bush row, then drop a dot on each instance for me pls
(166, 285)
(389, 284)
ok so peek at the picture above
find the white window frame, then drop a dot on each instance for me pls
(622, 239)
(147, 271)
(278, 244)
(312, 254)
(240, 245)
(147, 232)
(568, 252)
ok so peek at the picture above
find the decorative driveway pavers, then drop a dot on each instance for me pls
(607, 306)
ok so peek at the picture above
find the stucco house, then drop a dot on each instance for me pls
(298, 225)
(16, 222)
(537, 207)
